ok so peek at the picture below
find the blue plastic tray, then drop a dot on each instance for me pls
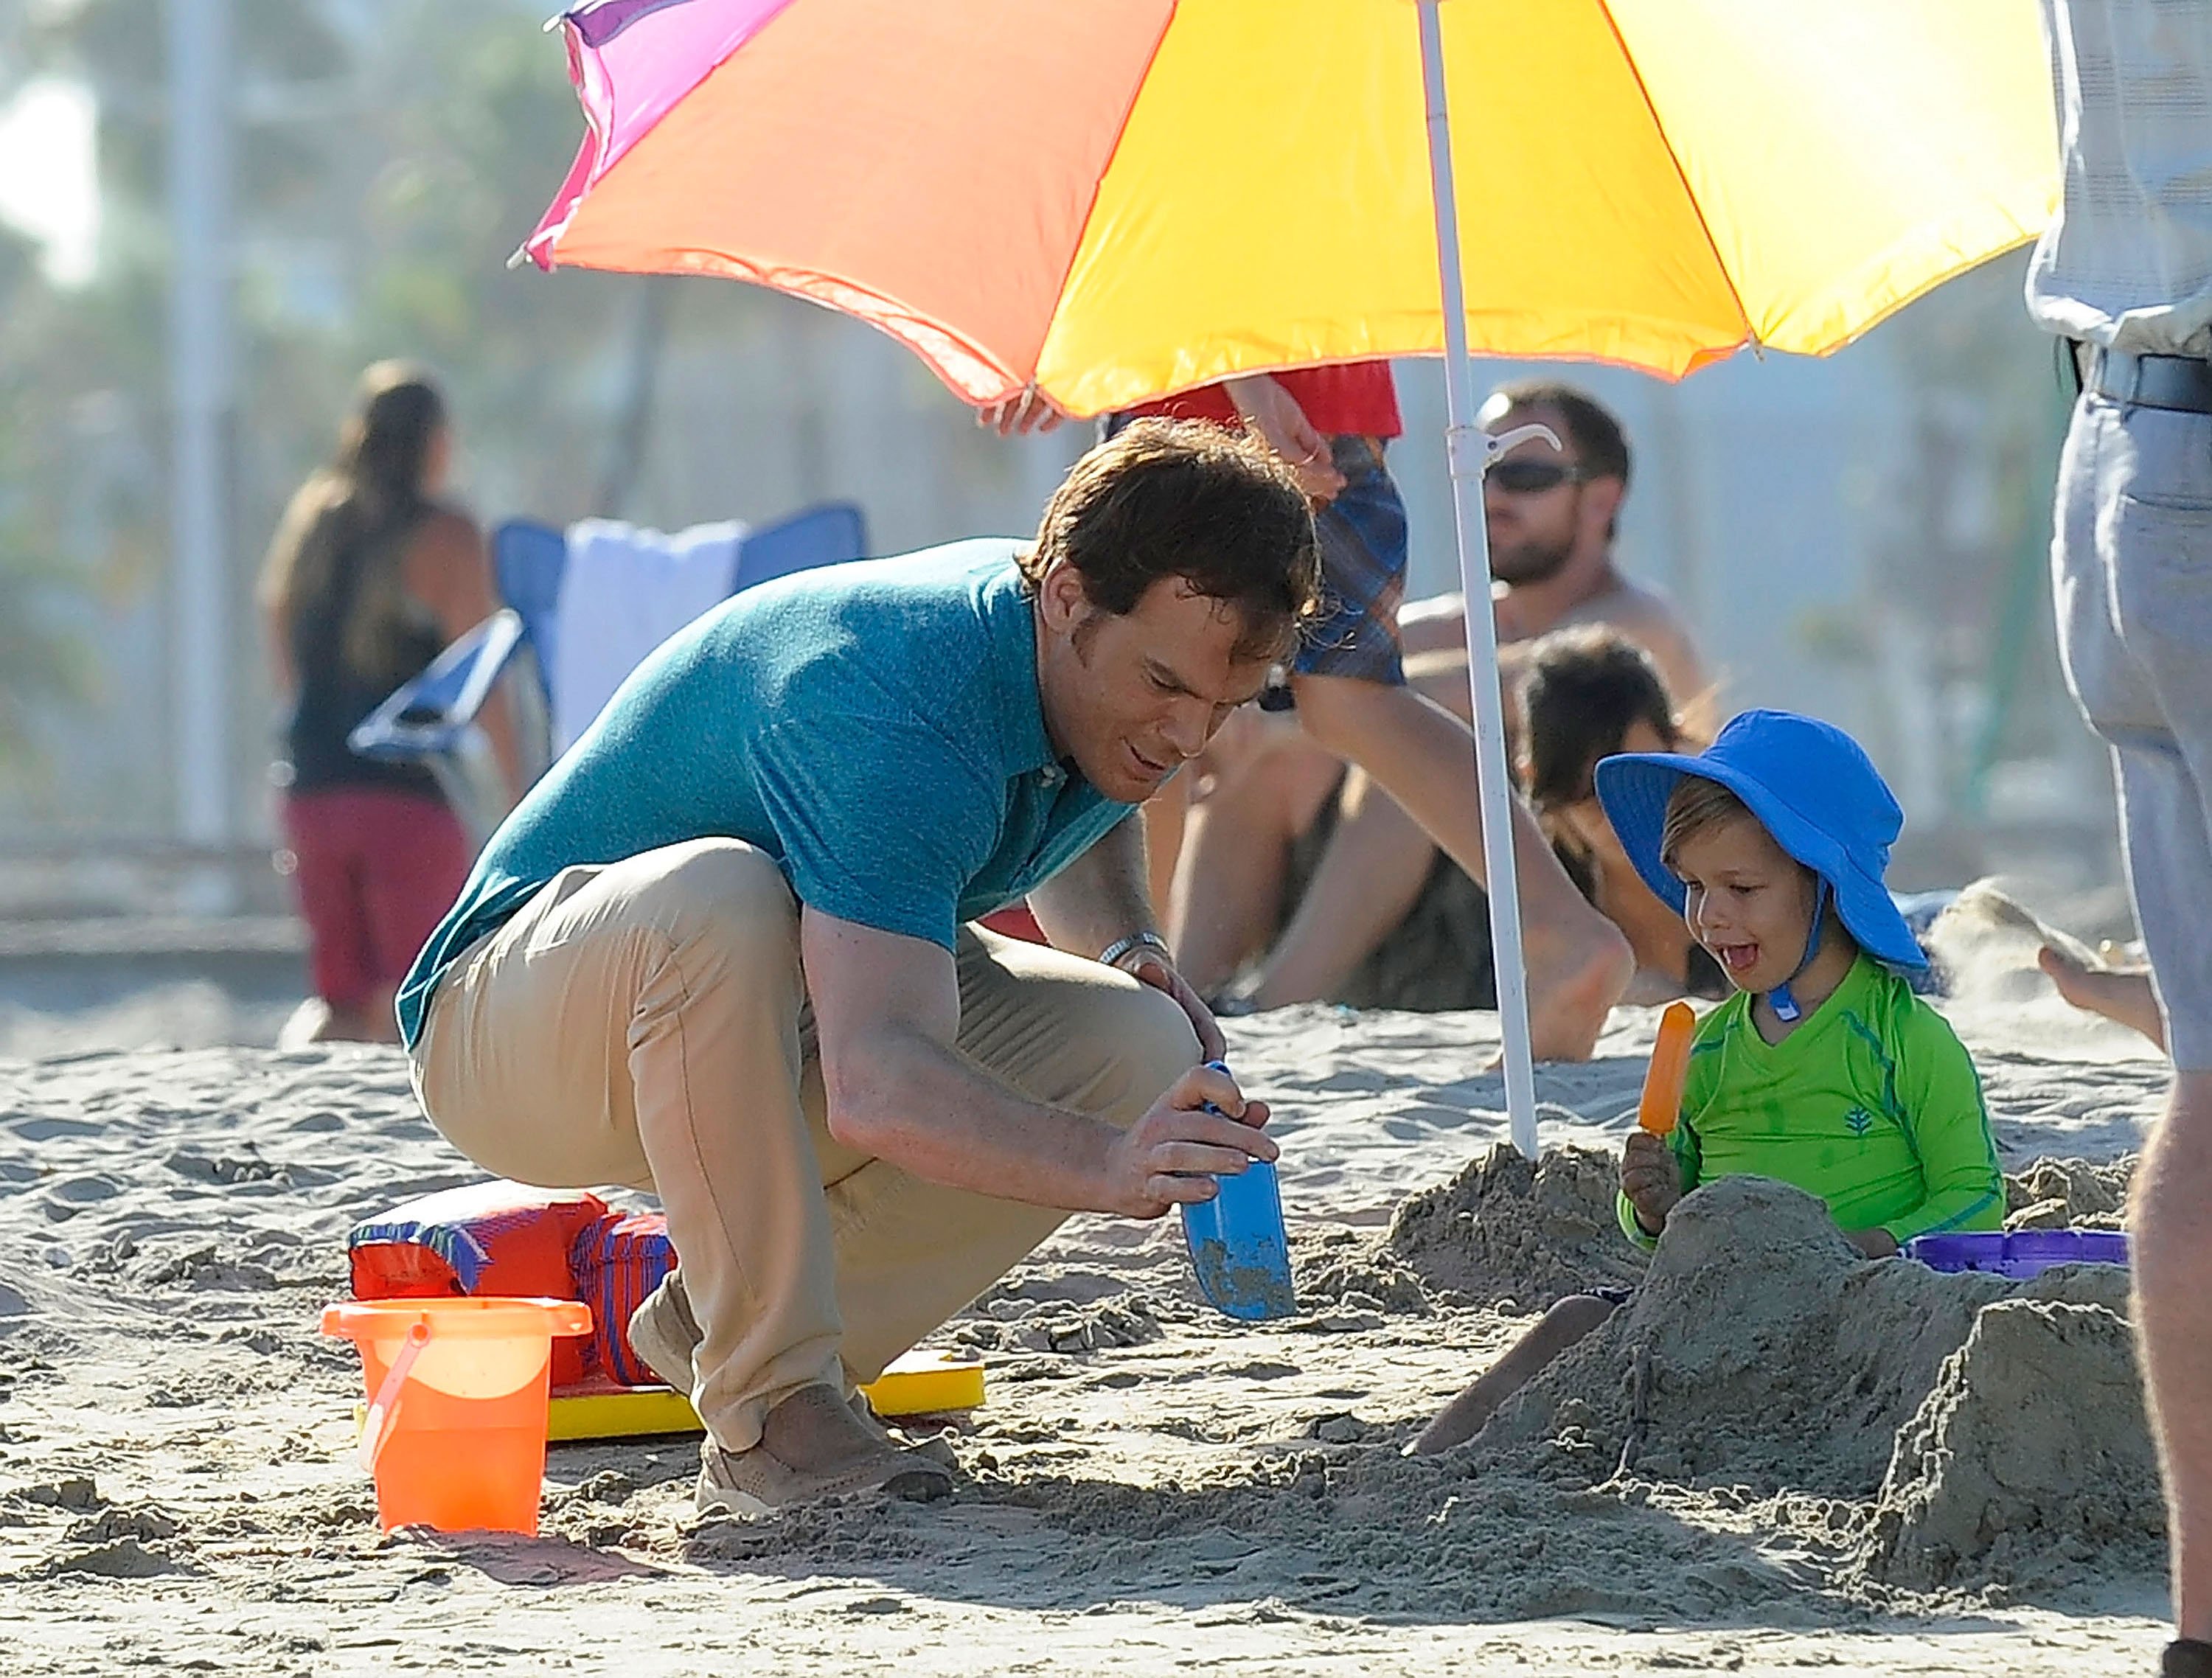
(2024, 1253)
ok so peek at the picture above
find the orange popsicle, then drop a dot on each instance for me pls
(1670, 1065)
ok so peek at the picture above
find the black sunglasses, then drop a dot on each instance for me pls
(1533, 477)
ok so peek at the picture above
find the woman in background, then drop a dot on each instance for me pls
(367, 579)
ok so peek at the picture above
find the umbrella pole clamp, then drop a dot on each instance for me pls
(1489, 447)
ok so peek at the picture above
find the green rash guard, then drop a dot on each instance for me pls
(1872, 1103)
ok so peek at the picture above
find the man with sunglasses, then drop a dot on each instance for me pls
(1347, 679)
(1552, 516)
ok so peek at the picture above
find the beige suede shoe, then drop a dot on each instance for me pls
(664, 1332)
(811, 1447)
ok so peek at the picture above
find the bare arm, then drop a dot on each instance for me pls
(448, 570)
(1098, 897)
(1695, 694)
(300, 513)
(1272, 413)
(1102, 897)
(278, 637)
(888, 1011)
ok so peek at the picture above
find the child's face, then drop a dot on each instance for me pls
(1749, 903)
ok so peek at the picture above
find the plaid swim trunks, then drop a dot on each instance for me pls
(1363, 573)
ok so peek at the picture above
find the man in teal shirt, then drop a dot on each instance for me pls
(721, 951)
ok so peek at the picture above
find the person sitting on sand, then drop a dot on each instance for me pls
(1348, 684)
(1582, 694)
(1823, 1070)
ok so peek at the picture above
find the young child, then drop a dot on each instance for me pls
(1823, 1070)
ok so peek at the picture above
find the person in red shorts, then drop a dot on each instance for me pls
(367, 578)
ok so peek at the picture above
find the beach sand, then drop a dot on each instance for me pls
(1770, 1460)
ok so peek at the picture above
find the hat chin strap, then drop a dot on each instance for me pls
(1779, 999)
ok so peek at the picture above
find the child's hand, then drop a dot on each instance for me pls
(1875, 1243)
(1650, 1178)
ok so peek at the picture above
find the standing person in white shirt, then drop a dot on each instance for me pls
(2125, 274)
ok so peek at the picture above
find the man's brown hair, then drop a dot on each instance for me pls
(1600, 443)
(1184, 499)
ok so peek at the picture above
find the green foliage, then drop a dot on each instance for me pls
(391, 154)
(42, 662)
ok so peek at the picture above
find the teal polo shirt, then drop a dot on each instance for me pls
(874, 727)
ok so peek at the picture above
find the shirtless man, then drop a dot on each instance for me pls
(1552, 519)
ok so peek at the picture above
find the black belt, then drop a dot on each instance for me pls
(2180, 382)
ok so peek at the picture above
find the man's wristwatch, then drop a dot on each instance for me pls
(1116, 952)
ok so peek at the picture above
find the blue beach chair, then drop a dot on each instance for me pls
(431, 720)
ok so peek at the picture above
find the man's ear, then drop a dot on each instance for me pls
(1061, 600)
(1600, 504)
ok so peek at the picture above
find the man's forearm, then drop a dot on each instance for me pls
(1100, 897)
(908, 1099)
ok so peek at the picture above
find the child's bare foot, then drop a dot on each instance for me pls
(1571, 993)
(2124, 997)
(1560, 1329)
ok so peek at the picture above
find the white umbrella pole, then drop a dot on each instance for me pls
(1469, 453)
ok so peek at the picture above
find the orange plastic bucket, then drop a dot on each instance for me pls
(455, 1434)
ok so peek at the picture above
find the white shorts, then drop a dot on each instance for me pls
(2131, 575)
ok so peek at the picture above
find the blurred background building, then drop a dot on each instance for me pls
(1863, 538)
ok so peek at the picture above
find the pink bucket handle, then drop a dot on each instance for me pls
(383, 1410)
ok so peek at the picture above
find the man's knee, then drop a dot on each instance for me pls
(719, 887)
(1155, 1044)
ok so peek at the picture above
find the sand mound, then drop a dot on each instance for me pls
(1760, 1350)
(2069, 1194)
(2029, 1461)
(1985, 943)
(1508, 1231)
(1347, 1269)
(1995, 1428)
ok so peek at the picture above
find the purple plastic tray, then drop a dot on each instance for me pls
(2024, 1253)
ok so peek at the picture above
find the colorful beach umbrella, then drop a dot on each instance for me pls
(1116, 199)
(1112, 200)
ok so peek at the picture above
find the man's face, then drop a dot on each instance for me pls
(1535, 502)
(1131, 699)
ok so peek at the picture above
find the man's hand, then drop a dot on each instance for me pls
(1019, 415)
(1273, 414)
(1147, 966)
(1875, 1243)
(1174, 1151)
(1650, 1178)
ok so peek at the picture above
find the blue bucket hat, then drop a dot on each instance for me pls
(1811, 787)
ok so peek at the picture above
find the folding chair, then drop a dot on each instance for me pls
(432, 720)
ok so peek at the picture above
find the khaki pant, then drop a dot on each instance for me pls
(645, 1022)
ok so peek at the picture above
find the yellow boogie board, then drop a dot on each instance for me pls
(920, 1384)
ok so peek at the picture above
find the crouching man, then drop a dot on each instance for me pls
(721, 951)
